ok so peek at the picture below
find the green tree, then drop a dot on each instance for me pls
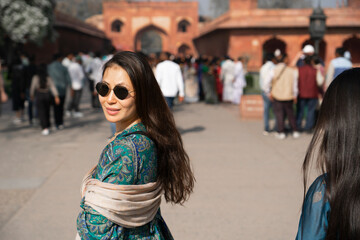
(23, 21)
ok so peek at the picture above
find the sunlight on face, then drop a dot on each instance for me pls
(121, 112)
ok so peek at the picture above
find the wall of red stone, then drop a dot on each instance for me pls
(160, 16)
(249, 43)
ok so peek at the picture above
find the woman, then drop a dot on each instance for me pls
(331, 207)
(121, 195)
(42, 87)
(283, 94)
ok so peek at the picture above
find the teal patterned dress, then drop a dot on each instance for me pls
(315, 213)
(127, 160)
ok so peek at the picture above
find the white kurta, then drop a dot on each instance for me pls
(227, 76)
(168, 75)
(239, 83)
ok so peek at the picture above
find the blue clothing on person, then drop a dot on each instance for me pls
(340, 64)
(267, 107)
(60, 76)
(315, 212)
(337, 66)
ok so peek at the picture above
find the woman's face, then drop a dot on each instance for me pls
(119, 111)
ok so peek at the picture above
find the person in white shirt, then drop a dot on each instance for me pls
(264, 73)
(227, 76)
(77, 76)
(95, 76)
(67, 60)
(169, 77)
(240, 82)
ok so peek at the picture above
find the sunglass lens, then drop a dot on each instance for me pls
(102, 89)
(121, 92)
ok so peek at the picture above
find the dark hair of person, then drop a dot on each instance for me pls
(42, 74)
(308, 60)
(335, 150)
(57, 56)
(269, 56)
(340, 51)
(174, 170)
(316, 59)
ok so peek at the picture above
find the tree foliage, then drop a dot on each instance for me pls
(27, 20)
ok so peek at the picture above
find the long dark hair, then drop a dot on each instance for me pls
(42, 74)
(335, 150)
(174, 170)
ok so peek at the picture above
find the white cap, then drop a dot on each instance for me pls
(347, 55)
(277, 53)
(308, 49)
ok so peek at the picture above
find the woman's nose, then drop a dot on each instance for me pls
(111, 98)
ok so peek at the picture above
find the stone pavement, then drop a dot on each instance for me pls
(248, 186)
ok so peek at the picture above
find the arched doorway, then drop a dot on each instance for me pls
(272, 44)
(183, 26)
(352, 45)
(116, 25)
(184, 49)
(322, 47)
(150, 40)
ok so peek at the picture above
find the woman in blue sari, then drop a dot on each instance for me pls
(331, 207)
(144, 160)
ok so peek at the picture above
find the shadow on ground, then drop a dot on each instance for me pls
(189, 130)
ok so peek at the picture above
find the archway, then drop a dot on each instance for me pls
(184, 49)
(352, 45)
(322, 47)
(150, 40)
(183, 26)
(272, 44)
(116, 26)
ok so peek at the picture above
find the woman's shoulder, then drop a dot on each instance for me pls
(129, 156)
(317, 189)
(134, 138)
(320, 182)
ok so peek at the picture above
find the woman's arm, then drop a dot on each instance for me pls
(313, 221)
(53, 90)
(34, 85)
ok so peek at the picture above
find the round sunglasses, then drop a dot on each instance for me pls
(103, 90)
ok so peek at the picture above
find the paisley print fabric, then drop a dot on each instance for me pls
(127, 160)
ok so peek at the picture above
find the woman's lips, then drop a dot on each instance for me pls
(112, 111)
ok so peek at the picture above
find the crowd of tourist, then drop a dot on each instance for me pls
(303, 82)
(283, 82)
(60, 84)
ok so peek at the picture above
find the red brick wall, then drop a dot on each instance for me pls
(249, 43)
(161, 16)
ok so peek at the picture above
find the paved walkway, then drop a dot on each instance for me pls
(248, 185)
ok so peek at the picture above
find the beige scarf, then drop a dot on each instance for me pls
(126, 205)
